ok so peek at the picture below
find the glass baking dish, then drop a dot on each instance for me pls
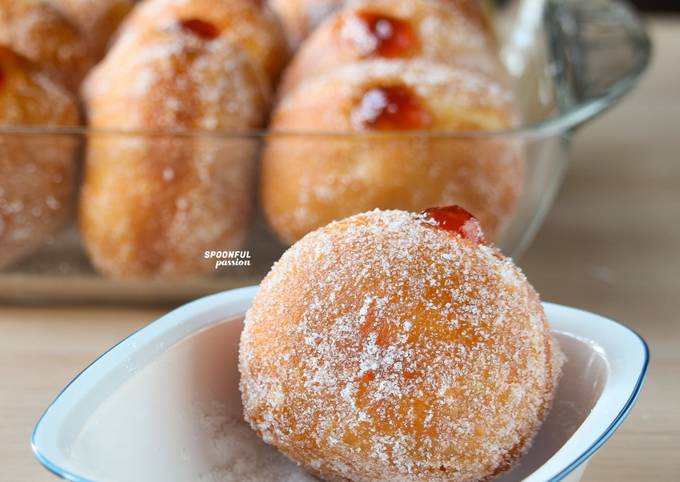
(569, 61)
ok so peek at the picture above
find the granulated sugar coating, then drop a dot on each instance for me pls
(244, 457)
(42, 33)
(441, 32)
(384, 348)
(378, 154)
(152, 204)
(249, 25)
(37, 176)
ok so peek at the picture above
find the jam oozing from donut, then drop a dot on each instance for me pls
(457, 220)
(201, 28)
(394, 107)
(390, 36)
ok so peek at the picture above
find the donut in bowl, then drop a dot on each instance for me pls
(398, 346)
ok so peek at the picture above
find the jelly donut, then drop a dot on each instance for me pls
(45, 35)
(98, 19)
(153, 202)
(397, 346)
(308, 181)
(300, 17)
(397, 29)
(249, 24)
(36, 173)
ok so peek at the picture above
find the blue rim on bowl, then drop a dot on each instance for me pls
(620, 417)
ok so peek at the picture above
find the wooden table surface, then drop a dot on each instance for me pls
(611, 244)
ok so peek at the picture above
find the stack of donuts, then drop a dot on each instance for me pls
(151, 206)
(373, 110)
(378, 67)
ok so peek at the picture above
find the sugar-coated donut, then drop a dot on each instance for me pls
(300, 17)
(310, 180)
(396, 346)
(369, 29)
(44, 34)
(152, 204)
(36, 172)
(249, 24)
(98, 19)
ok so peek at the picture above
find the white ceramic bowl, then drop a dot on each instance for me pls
(146, 409)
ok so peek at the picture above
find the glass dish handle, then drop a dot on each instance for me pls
(599, 49)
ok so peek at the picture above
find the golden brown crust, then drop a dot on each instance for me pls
(308, 181)
(44, 34)
(151, 208)
(36, 174)
(169, 78)
(98, 19)
(152, 204)
(382, 348)
(301, 17)
(370, 29)
(248, 24)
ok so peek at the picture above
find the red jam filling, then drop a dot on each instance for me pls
(200, 28)
(457, 220)
(393, 107)
(392, 37)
